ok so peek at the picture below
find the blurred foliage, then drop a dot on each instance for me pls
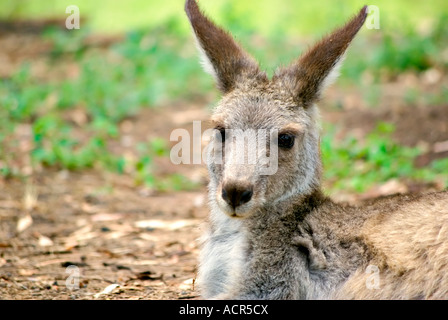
(408, 51)
(355, 165)
(269, 18)
(157, 63)
(146, 71)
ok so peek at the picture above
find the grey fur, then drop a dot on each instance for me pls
(290, 241)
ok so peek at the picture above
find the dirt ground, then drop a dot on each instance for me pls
(127, 242)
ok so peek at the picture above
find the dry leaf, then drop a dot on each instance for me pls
(49, 262)
(115, 235)
(187, 284)
(167, 225)
(107, 217)
(148, 237)
(107, 290)
(27, 272)
(30, 198)
(24, 223)
(45, 241)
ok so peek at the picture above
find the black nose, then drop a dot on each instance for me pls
(236, 196)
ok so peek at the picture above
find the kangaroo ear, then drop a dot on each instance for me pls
(221, 56)
(316, 69)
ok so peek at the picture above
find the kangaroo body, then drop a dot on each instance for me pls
(317, 249)
(276, 235)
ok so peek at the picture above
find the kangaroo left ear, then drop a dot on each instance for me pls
(221, 56)
(315, 70)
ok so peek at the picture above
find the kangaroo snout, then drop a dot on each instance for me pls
(236, 194)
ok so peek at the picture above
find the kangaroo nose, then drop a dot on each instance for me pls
(236, 195)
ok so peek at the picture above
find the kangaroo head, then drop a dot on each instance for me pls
(280, 112)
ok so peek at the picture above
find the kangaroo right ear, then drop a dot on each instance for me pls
(319, 66)
(222, 57)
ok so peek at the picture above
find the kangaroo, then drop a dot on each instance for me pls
(277, 236)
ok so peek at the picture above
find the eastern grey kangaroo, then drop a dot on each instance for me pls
(277, 236)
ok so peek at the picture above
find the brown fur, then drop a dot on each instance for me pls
(229, 60)
(310, 70)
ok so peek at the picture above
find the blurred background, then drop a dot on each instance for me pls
(86, 115)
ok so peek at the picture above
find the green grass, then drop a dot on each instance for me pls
(146, 72)
(355, 165)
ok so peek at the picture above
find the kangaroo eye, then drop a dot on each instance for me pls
(286, 141)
